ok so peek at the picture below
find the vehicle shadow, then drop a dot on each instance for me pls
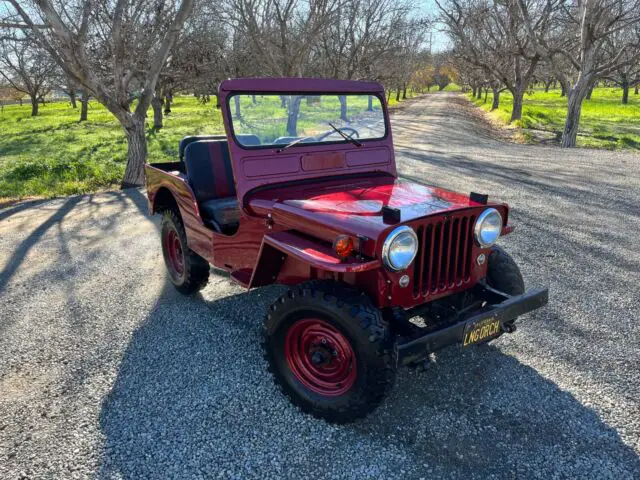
(193, 398)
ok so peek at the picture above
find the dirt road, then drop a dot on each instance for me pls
(106, 372)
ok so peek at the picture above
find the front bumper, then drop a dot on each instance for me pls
(499, 306)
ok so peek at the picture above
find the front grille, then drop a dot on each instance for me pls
(443, 260)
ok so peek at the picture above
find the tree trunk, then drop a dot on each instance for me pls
(625, 93)
(236, 102)
(574, 107)
(84, 106)
(589, 92)
(637, 89)
(474, 91)
(370, 104)
(546, 86)
(156, 103)
(253, 99)
(292, 116)
(404, 92)
(283, 101)
(516, 111)
(496, 99)
(398, 94)
(563, 91)
(168, 98)
(72, 99)
(486, 94)
(343, 108)
(34, 106)
(479, 93)
(136, 154)
(388, 95)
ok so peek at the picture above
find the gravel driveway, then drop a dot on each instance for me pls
(106, 372)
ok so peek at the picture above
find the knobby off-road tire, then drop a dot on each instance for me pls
(359, 339)
(188, 271)
(503, 273)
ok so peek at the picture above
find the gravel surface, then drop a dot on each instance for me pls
(106, 372)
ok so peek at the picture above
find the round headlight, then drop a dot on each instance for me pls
(400, 248)
(488, 227)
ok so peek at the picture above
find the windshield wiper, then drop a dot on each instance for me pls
(295, 142)
(345, 136)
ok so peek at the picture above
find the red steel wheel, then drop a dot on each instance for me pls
(174, 252)
(188, 271)
(320, 357)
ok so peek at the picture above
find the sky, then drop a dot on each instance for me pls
(439, 39)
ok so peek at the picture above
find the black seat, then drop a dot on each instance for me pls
(224, 211)
(248, 140)
(210, 175)
(186, 141)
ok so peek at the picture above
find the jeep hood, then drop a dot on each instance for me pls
(355, 205)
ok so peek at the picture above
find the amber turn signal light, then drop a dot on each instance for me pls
(343, 246)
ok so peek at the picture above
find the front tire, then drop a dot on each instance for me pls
(330, 351)
(503, 273)
(188, 271)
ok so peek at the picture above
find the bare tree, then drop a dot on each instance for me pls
(113, 49)
(628, 73)
(27, 68)
(580, 32)
(490, 35)
(280, 35)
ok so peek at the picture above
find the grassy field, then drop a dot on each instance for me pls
(53, 154)
(605, 122)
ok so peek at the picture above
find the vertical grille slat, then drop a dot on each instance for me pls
(451, 277)
(467, 260)
(444, 255)
(417, 274)
(429, 234)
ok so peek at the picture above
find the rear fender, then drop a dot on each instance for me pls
(159, 185)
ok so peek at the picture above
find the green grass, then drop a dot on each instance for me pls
(53, 154)
(452, 87)
(605, 122)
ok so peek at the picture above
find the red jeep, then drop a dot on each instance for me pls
(303, 191)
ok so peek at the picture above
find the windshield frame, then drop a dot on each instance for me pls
(278, 148)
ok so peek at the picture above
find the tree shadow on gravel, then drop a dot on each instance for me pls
(193, 398)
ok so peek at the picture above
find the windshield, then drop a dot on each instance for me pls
(290, 120)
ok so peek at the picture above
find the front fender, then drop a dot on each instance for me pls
(277, 247)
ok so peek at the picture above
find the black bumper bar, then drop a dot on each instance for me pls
(506, 311)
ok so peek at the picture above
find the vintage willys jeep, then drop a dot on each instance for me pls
(303, 191)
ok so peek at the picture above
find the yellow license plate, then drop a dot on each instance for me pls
(481, 331)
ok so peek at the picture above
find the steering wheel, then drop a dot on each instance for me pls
(353, 131)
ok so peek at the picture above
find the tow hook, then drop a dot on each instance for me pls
(509, 327)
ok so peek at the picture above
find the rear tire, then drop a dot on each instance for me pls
(188, 271)
(330, 351)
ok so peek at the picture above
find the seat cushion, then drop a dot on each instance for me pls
(209, 170)
(186, 141)
(225, 211)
